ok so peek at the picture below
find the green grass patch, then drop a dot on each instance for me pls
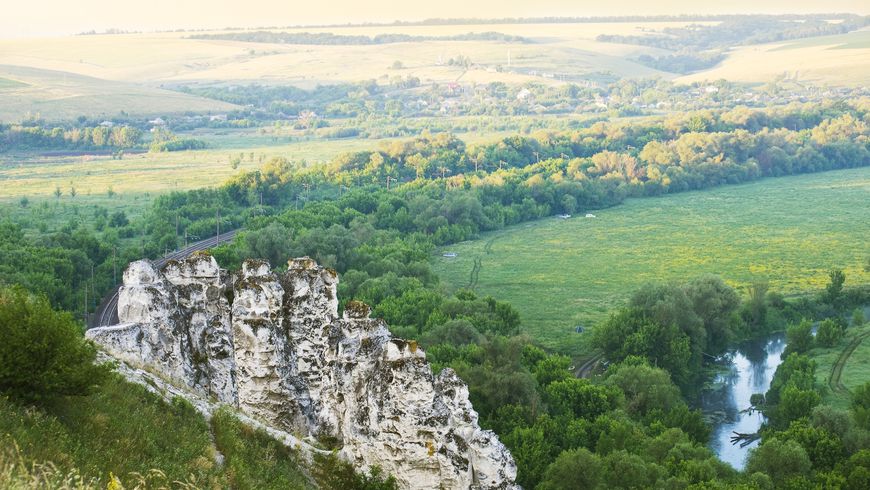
(253, 459)
(125, 431)
(560, 273)
(856, 370)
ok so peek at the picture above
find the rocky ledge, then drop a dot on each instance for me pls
(274, 346)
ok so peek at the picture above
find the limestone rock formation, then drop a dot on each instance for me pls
(274, 346)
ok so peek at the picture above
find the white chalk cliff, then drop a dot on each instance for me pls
(275, 347)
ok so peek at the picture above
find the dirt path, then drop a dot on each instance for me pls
(478, 264)
(834, 380)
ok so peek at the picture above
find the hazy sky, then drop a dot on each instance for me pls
(20, 18)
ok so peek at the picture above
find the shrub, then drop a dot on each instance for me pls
(829, 333)
(43, 354)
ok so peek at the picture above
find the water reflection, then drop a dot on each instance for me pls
(751, 369)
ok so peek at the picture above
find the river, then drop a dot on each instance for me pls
(752, 367)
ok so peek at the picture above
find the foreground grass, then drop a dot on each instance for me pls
(560, 273)
(121, 431)
(241, 445)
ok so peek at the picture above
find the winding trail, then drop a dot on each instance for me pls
(834, 380)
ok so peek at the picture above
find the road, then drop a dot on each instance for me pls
(107, 312)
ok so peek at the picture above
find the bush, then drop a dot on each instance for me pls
(861, 405)
(334, 474)
(829, 333)
(43, 354)
(779, 459)
(799, 337)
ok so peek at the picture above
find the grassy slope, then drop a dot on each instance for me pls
(835, 60)
(788, 230)
(855, 371)
(159, 58)
(59, 95)
(123, 430)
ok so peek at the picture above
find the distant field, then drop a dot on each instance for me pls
(159, 58)
(836, 60)
(560, 273)
(56, 95)
(5, 84)
(36, 176)
(105, 74)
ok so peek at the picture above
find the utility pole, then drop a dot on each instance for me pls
(389, 178)
(218, 220)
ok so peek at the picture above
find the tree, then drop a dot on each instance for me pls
(622, 469)
(829, 333)
(754, 313)
(43, 354)
(632, 333)
(779, 459)
(824, 449)
(57, 192)
(800, 337)
(645, 387)
(573, 469)
(794, 403)
(861, 405)
(714, 302)
(858, 317)
(834, 289)
(796, 370)
(580, 398)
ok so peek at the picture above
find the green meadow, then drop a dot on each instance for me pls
(559, 273)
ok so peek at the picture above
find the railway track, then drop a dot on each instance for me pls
(107, 312)
(585, 371)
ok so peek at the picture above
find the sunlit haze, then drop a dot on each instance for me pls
(59, 17)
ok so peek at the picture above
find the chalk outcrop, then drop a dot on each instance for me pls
(274, 346)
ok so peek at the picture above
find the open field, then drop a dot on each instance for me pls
(560, 273)
(835, 60)
(59, 95)
(37, 176)
(162, 57)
